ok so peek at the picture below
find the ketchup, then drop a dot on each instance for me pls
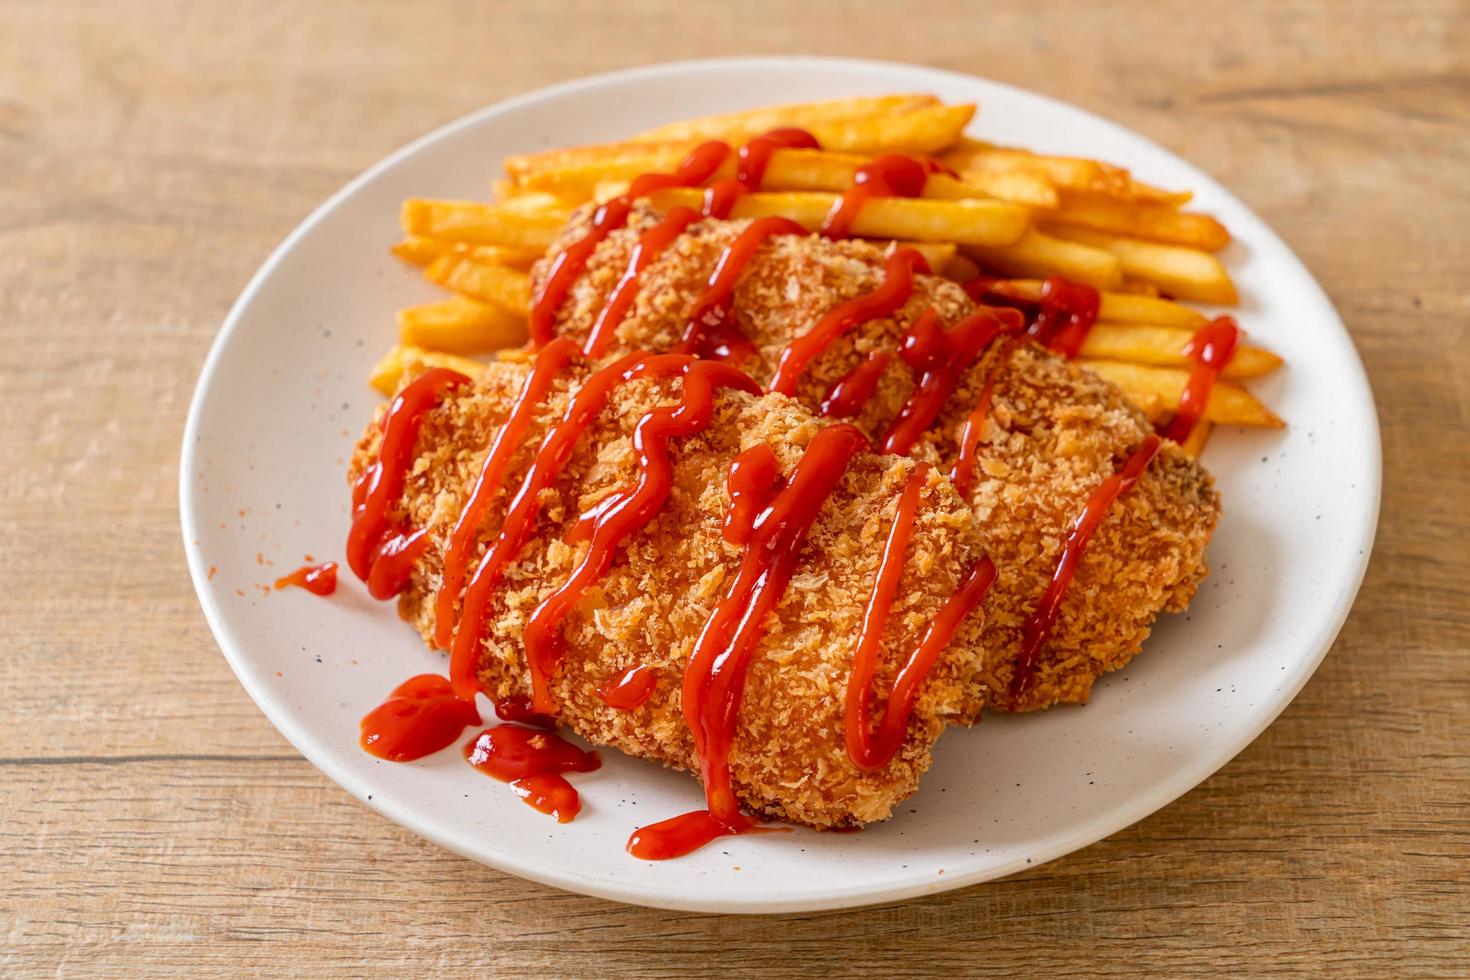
(373, 539)
(316, 579)
(755, 155)
(940, 357)
(1211, 348)
(1039, 628)
(853, 391)
(711, 330)
(890, 175)
(968, 461)
(892, 293)
(630, 689)
(651, 244)
(533, 761)
(754, 478)
(420, 717)
(1068, 312)
(630, 510)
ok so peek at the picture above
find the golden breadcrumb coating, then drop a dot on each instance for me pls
(1053, 433)
(789, 758)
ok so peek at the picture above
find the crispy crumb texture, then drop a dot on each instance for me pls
(789, 759)
(1053, 433)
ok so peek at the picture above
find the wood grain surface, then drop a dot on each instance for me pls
(151, 820)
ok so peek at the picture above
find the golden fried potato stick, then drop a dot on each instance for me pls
(753, 122)
(1155, 222)
(1229, 404)
(1039, 254)
(483, 224)
(420, 250)
(1120, 307)
(972, 222)
(460, 325)
(1141, 343)
(509, 288)
(1184, 272)
(388, 372)
(1198, 436)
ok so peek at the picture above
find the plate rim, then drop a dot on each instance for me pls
(1089, 831)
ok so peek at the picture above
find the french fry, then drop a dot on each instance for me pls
(1072, 173)
(509, 288)
(936, 254)
(460, 325)
(1229, 404)
(752, 122)
(419, 250)
(611, 160)
(1147, 193)
(973, 222)
(1184, 272)
(1194, 443)
(928, 130)
(1018, 186)
(1155, 222)
(1040, 254)
(1137, 287)
(1147, 344)
(1120, 307)
(482, 224)
(388, 372)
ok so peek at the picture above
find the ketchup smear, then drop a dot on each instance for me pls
(420, 717)
(533, 761)
(1211, 348)
(316, 579)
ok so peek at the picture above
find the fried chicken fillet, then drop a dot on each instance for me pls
(1052, 434)
(789, 759)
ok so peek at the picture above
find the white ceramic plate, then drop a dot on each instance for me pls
(284, 393)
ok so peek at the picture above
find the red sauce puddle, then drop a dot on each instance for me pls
(532, 761)
(316, 579)
(420, 717)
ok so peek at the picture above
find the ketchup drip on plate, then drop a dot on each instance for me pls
(1038, 628)
(533, 761)
(627, 511)
(890, 175)
(420, 717)
(373, 541)
(1211, 348)
(855, 389)
(871, 750)
(892, 293)
(569, 263)
(714, 678)
(316, 579)
(711, 330)
(940, 356)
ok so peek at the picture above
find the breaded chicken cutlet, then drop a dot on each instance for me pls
(788, 759)
(1053, 432)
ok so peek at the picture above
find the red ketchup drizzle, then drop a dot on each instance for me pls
(630, 689)
(890, 175)
(651, 244)
(1068, 311)
(754, 478)
(378, 553)
(892, 292)
(718, 201)
(1039, 627)
(626, 511)
(532, 761)
(316, 579)
(941, 356)
(855, 389)
(547, 368)
(714, 678)
(711, 330)
(1211, 348)
(964, 472)
(753, 157)
(420, 717)
(871, 750)
(698, 167)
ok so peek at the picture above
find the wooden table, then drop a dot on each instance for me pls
(153, 152)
